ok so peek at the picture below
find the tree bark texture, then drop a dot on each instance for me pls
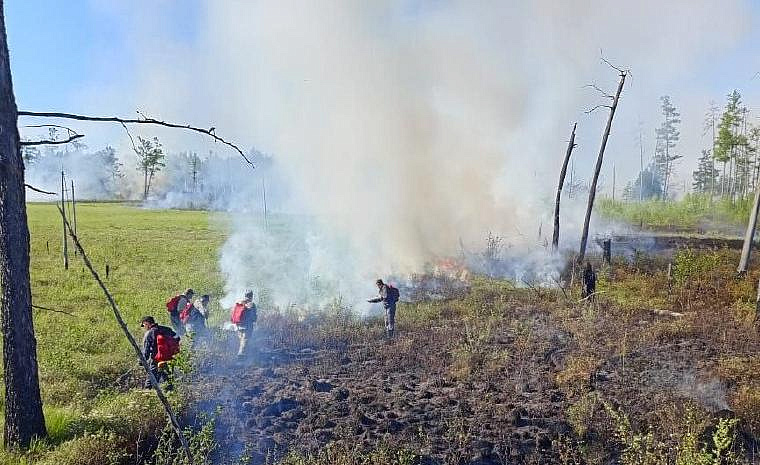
(749, 235)
(598, 169)
(562, 174)
(23, 405)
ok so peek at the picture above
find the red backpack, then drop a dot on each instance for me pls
(167, 347)
(238, 312)
(392, 293)
(171, 304)
(184, 315)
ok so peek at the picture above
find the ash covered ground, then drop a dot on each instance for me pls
(489, 374)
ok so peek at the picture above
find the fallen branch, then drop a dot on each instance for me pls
(140, 356)
(666, 313)
(112, 119)
(53, 310)
(590, 296)
(74, 137)
(124, 375)
(39, 190)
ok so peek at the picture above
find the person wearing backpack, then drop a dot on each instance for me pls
(177, 304)
(160, 345)
(388, 295)
(244, 315)
(194, 316)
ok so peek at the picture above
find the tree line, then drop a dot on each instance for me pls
(727, 168)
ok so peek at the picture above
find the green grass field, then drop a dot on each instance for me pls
(82, 358)
(690, 213)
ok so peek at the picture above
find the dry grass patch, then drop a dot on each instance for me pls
(576, 375)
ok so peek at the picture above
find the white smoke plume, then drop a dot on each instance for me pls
(96, 174)
(404, 127)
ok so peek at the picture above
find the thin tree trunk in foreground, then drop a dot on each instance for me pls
(598, 169)
(749, 235)
(562, 173)
(24, 419)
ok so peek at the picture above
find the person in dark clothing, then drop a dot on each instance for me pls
(589, 282)
(388, 295)
(160, 345)
(195, 321)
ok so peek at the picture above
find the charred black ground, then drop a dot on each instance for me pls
(498, 374)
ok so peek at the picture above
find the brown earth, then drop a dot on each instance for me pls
(485, 377)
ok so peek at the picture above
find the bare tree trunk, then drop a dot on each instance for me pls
(562, 173)
(598, 169)
(641, 168)
(145, 184)
(24, 419)
(264, 201)
(73, 209)
(723, 182)
(613, 183)
(65, 236)
(749, 236)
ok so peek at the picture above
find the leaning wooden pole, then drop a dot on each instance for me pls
(598, 169)
(749, 235)
(562, 173)
(73, 207)
(133, 343)
(63, 212)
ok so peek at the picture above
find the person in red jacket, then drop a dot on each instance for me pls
(160, 345)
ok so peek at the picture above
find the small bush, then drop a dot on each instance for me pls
(581, 413)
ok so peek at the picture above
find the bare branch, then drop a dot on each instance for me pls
(145, 120)
(604, 94)
(126, 129)
(39, 190)
(26, 143)
(588, 112)
(54, 310)
(71, 131)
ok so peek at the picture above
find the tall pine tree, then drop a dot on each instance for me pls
(705, 175)
(729, 142)
(667, 138)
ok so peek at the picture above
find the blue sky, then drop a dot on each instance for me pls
(64, 52)
(60, 47)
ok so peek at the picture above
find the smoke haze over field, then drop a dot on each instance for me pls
(400, 127)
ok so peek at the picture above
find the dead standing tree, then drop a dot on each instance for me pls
(749, 236)
(570, 146)
(598, 168)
